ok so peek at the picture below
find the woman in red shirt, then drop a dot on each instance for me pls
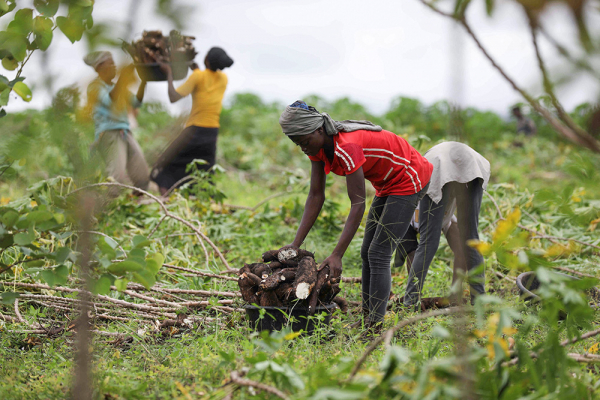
(360, 150)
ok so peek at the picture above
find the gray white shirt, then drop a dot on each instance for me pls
(455, 162)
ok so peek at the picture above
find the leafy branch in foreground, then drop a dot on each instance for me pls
(564, 124)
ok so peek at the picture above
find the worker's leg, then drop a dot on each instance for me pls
(468, 205)
(137, 168)
(114, 153)
(391, 227)
(406, 249)
(430, 228)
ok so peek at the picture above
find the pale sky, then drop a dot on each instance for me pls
(371, 52)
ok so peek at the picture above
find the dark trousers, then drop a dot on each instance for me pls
(468, 203)
(388, 219)
(195, 142)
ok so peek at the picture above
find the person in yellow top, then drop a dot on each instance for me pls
(199, 138)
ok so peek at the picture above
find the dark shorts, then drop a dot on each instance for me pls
(195, 142)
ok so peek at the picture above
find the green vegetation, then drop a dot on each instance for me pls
(542, 183)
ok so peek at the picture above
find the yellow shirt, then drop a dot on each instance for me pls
(207, 89)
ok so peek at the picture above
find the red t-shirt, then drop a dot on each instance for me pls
(389, 162)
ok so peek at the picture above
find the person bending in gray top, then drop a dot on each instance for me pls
(460, 175)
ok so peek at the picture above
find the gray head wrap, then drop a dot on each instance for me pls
(96, 58)
(301, 119)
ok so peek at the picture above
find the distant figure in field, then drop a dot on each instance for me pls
(199, 138)
(460, 175)
(111, 103)
(525, 125)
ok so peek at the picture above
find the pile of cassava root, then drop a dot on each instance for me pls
(154, 47)
(289, 277)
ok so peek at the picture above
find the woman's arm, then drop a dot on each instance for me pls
(120, 91)
(355, 183)
(314, 202)
(141, 91)
(173, 95)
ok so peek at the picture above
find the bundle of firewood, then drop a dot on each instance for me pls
(289, 277)
(154, 47)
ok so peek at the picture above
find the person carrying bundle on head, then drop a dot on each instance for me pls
(460, 176)
(360, 150)
(199, 138)
(110, 103)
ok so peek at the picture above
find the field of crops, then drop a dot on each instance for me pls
(164, 307)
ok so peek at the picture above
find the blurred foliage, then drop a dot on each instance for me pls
(32, 29)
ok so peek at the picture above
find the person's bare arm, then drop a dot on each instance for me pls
(120, 90)
(314, 202)
(173, 95)
(355, 183)
(141, 91)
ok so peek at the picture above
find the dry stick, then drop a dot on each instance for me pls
(390, 332)
(581, 63)
(165, 211)
(563, 115)
(105, 235)
(501, 275)
(564, 343)
(205, 293)
(575, 272)
(585, 141)
(97, 306)
(7, 318)
(582, 337)
(228, 278)
(18, 313)
(236, 378)
(352, 279)
(157, 225)
(203, 246)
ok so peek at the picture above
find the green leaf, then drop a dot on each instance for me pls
(62, 254)
(9, 218)
(106, 249)
(140, 242)
(39, 216)
(4, 96)
(123, 267)
(3, 7)
(47, 7)
(154, 262)
(48, 276)
(42, 27)
(145, 278)
(22, 90)
(61, 274)
(22, 23)
(489, 7)
(9, 63)
(9, 297)
(72, 29)
(121, 284)
(6, 240)
(24, 238)
(14, 43)
(102, 285)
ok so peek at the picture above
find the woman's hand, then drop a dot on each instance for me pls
(335, 265)
(165, 67)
